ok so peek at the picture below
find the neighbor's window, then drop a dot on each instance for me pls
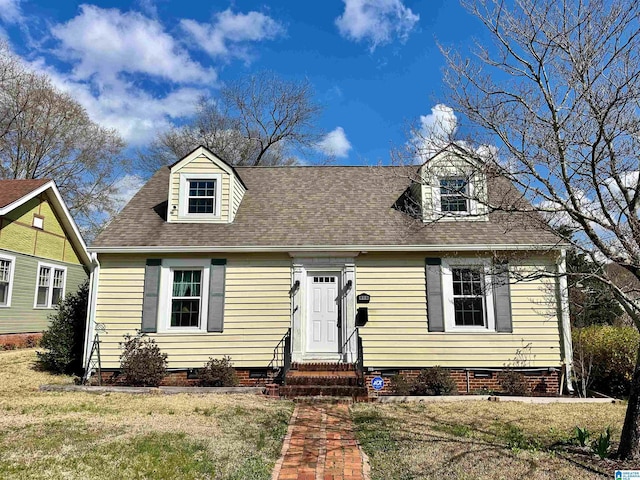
(454, 194)
(186, 298)
(202, 196)
(5, 281)
(50, 289)
(468, 297)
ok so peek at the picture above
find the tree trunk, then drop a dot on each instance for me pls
(629, 448)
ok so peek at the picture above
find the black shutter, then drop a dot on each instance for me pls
(435, 311)
(215, 320)
(150, 296)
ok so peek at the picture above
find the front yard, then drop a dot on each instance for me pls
(483, 440)
(89, 436)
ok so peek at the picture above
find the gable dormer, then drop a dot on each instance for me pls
(203, 188)
(452, 188)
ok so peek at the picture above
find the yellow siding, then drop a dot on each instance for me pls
(200, 164)
(17, 233)
(238, 193)
(397, 336)
(256, 314)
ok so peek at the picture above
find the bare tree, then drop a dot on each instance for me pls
(557, 96)
(260, 119)
(45, 133)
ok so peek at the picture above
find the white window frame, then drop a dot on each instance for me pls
(447, 294)
(472, 204)
(12, 268)
(166, 287)
(53, 267)
(183, 209)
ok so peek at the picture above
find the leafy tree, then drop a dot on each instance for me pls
(45, 133)
(63, 341)
(552, 105)
(260, 119)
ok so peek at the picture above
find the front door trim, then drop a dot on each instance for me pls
(302, 267)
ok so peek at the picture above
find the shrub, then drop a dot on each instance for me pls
(513, 383)
(604, 358)
(63, 341)
(218, 373)
(601, 446)
(434, 381)
(401, 385)
(142, 363)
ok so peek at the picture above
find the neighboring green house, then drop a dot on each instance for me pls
(42, 254)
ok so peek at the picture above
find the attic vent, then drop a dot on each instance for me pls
(38, 222)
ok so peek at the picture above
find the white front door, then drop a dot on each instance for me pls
(322, 328)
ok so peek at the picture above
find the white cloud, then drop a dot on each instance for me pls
(107, 42)
(434, 132)
(135, 113)
(125, 188)
(227, 35)
(10, 11)
(376, 21)
(335, 143)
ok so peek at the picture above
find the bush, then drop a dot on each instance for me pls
(401, 385)
(513, 383)
(142, 362)
(604, 358)
(218, 373)
(434, 381)
(64, 339)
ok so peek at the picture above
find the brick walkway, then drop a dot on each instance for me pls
(320, 445)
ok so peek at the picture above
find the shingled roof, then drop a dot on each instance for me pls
(306, 207)
(12, 190)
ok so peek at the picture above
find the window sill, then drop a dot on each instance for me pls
(469, 330)
(183, 332)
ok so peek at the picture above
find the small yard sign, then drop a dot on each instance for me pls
(377, 383)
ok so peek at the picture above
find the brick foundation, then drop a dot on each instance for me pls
(543, 383)
(181, 378)
(12, 341)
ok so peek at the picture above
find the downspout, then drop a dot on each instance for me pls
(91, 308)
(563, 297)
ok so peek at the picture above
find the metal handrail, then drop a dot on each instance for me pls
(342, 350)
(282, 351)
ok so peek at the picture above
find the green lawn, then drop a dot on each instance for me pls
(120, 436)
(483, 440)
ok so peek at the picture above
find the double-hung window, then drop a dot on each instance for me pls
(50, 285)
(7, 265)
(468, 295)
(202, 196)
(186, 298)
(454, 195)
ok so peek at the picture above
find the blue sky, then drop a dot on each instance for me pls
(140, 66)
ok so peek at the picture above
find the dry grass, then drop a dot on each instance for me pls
(483, 440)
(89, 436)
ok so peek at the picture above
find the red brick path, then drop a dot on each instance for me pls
(320, 445)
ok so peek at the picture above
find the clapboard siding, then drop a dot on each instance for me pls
(21, 316)
(238, 193)
(200, 165)
(256, 313)
(396, 334)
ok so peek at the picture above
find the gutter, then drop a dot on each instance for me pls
(565, 330)
(91, 310)
(329, 248)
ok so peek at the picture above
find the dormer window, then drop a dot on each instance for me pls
(200, 195)
(454, 195)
